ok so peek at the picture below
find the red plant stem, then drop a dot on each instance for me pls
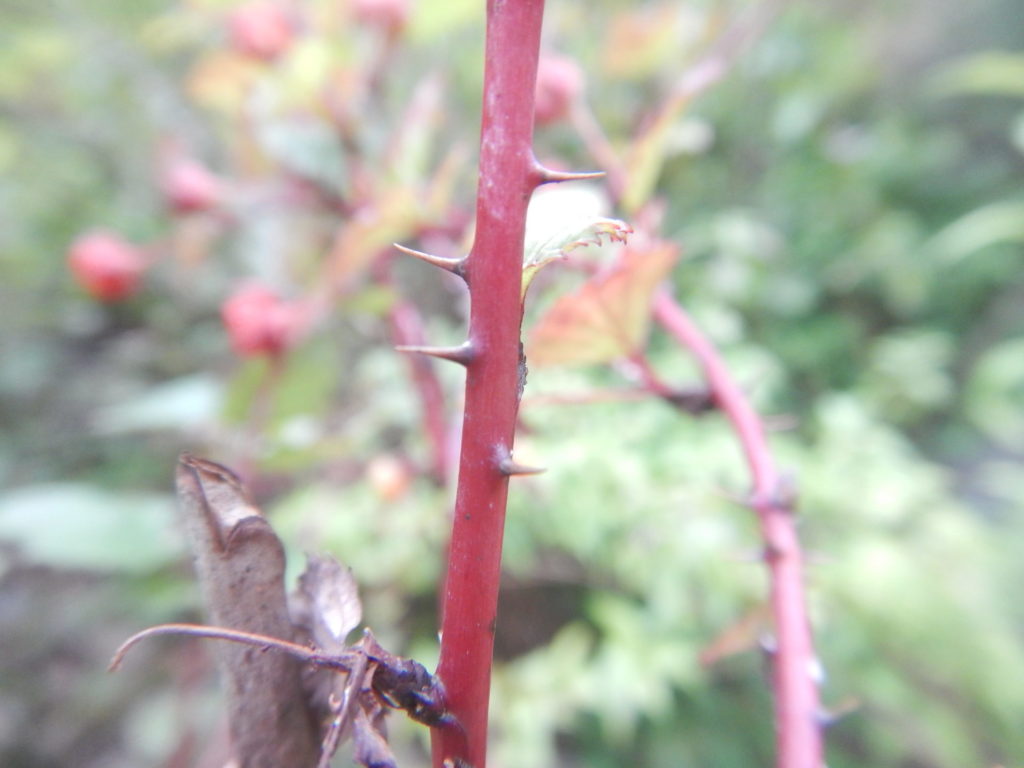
(508, 176)
(797, 717)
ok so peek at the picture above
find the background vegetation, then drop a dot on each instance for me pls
(848, 200)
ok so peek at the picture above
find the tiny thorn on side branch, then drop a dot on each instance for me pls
(830, 717)
(544, 175)
(455, 266)
(464, 354)
(693, 400)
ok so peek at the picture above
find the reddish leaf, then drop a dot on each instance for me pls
(608, 317)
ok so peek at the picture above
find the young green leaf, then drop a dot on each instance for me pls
(561, 221)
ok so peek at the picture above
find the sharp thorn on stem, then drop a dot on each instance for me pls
(509, 466)
(828, 717)
(455, 266)
(462, 354)
(548, 176)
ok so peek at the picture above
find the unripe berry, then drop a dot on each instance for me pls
(390, 15)
(262, 30)
(106, 266)
(259, 322)
(559, 83)
(389, 476)
(189, 187)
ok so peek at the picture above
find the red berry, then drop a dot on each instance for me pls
(262, 30)
(259, 322)
(388, 14)
(106, 266)
(559, 83)
(189, 187)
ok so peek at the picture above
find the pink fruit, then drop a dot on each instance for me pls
(259, 322)
(189, 187)
(106, 266)
(388, 14)
(262, 30)
(559, 83)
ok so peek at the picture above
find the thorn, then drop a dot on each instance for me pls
(693, 400)
(462, 354)
(549, 176)
(829, 717)
(455, 266)
(508, 466)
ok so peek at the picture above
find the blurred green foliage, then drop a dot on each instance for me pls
(848, 201)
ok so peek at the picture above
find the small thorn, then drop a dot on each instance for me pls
(828, 717)
(549, 176)
(455, 266)
(462, 354)
(509, 467)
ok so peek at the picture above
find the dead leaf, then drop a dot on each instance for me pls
(240, 564)
(609, 316)
(327, 602)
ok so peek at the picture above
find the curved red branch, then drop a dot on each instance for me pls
(794, 668)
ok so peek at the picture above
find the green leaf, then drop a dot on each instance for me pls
(181, 404)
(995, 223)
(995, 393)
(993, 72)
(67, 525)
(560, 220)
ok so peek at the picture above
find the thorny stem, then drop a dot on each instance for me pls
(508, 176)
(794, 664)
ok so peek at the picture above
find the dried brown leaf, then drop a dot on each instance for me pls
(327, 602)
(240, 564)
